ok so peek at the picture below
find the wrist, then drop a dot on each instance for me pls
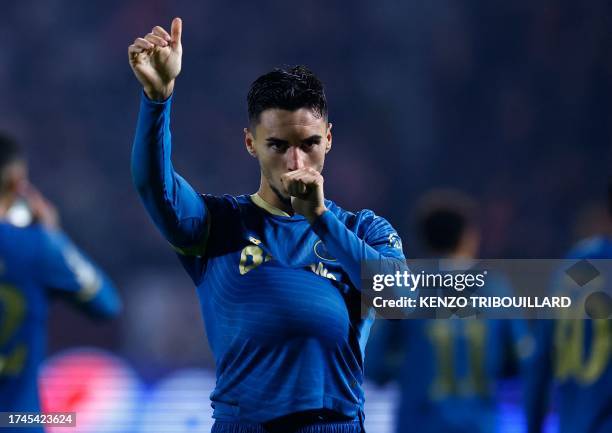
(160, 94)
(316, 213)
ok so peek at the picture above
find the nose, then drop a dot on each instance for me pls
(295, 158)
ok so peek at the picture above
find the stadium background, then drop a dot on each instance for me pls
(508, 101)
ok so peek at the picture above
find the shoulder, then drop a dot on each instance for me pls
(597, 247)
(40, 246)
(367, 224)
(52, 239)
(23, 244)
(58, 249)
(223, 202)
(225, 207)
(35, 235)
(33, 231)
(225, 216)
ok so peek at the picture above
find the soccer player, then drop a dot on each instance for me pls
(37, 262)
(278, 271)
(576, 355)
(447, 369)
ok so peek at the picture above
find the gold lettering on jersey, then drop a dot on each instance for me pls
(570, 342)
(571, 338)
(14, 305)
(322, 271)
(251, 257)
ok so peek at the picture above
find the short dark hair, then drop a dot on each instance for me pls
(10, 151)
(288, 88)
(442, 217)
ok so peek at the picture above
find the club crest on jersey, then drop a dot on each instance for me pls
(321, 251)
(395, 241)
(252, 256)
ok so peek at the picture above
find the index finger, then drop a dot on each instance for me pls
(159, 31)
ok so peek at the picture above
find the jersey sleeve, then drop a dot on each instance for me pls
(223, 216)
(67, 272)
(381, 236)
(175, 207)
(380, 248)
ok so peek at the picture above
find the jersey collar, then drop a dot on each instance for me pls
(258, 201)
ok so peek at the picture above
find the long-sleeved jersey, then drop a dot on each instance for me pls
(280, 297)
(576, 356)
(448, 370)
(35, 265)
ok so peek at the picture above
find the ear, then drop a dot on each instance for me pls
(328, 136)
(249, 142)
(471, 241)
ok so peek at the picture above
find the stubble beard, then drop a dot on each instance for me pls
(286, 200)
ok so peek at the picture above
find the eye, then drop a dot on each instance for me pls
(308, 145)
(278, 147)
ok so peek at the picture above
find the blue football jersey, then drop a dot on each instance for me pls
(280, 296)
(575, 355)
(448, 370)
(35, 265)
(282, 315)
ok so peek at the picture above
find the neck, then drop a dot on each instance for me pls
(461, 255)
(273, 197)
(463, 251)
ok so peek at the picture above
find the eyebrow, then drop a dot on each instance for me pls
(276, 140)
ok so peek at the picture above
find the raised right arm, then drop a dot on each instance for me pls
(175, 207)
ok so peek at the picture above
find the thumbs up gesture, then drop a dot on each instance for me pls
(156, 60)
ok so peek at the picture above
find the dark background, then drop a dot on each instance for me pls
(508, 101)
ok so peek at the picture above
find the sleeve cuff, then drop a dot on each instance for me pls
(323, 224)
(148, 101)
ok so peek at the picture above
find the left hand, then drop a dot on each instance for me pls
(305, 186)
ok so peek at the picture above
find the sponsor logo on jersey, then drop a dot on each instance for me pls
(322, 271)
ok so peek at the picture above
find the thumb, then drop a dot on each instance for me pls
(177, 29)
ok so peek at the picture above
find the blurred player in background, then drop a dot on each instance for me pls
(576, 354)
(447, 368)
(37, 262)
(278, 272)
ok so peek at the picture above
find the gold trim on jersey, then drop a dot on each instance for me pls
(258, 201)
